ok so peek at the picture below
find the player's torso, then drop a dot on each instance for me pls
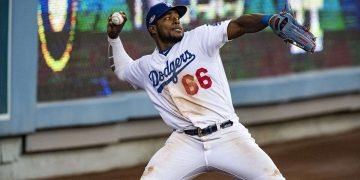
(189, 85)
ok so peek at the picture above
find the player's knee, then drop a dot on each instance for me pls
(275, 175)
(152, 173)
(148, 172)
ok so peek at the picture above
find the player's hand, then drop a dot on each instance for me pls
(114, 30)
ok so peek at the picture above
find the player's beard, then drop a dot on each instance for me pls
(170, 39)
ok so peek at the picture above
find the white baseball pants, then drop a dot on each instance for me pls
(232, 151)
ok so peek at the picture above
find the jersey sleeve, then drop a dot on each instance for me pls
(134, 75)
(212, 36)
(125, 68)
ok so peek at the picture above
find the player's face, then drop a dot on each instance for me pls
(169, 28)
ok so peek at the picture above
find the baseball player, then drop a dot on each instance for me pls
(184, 78)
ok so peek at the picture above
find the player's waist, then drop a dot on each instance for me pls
(209, 129)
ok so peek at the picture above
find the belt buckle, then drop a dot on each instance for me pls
(200, 134)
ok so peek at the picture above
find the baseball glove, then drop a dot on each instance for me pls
(286, 27)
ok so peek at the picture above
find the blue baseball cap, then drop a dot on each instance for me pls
(160, 9)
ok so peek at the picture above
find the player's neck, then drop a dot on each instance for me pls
(166, 43)
(164, 46)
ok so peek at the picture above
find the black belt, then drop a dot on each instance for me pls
(208, 130)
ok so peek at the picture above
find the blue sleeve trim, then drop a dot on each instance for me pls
(265, 19)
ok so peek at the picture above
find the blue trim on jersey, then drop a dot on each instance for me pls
(165, 52)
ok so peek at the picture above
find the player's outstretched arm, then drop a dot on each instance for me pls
(283, 24)
(249, 23)
(119, 56)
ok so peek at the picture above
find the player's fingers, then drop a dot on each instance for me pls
(306, 27)
(123, 15)
(288, 41)
(109, 20)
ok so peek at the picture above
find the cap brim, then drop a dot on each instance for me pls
(180, 9)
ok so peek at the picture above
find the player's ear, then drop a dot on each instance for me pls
(152, 29)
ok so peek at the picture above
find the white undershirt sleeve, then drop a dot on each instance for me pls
(120, 57)
(125, 68)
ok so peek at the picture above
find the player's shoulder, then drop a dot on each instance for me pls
(217, 24)
(195, 31)
(140, 61)
(144, 58)
(206, 27)
(214, 24)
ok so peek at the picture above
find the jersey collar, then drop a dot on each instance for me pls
(166, 51)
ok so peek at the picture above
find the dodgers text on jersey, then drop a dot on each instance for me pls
(169, 74)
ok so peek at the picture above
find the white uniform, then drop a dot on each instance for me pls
(189, 88)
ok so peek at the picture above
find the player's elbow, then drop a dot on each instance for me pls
(234, 30)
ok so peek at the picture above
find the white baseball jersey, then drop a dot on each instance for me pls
(188, 86)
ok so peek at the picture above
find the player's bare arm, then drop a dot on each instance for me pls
(249, 23)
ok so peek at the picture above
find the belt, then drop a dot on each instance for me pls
(208, 130)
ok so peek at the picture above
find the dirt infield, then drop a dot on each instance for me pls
(329, 157)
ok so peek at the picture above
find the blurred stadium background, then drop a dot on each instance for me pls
(63, 112)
